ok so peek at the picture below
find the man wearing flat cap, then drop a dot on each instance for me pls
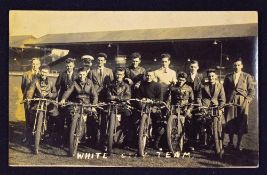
(87, 62)
(63, 82)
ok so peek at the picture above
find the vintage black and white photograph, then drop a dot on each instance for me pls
(133, 89)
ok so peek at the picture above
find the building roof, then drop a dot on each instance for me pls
(148, 35)
(19, 41)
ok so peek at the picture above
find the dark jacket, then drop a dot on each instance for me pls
(196, 84)
(135, 74)
(63, 82)
(118, 91)
(82, 93)
(151, 90)
(99, 83)
(41, 89)
(181, 95)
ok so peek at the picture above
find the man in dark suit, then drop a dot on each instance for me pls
(240, 89)
(194, 78)
(212, 94)
(27, 79)
(63, 82)
(101, 76)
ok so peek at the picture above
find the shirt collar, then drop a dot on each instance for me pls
(69, 72)
(193, 74)
(238, 73)
(167, 69)
(35, 71)
(138, 67)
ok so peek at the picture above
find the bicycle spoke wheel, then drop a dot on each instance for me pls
(111, 131)
(217, 135)
(175, 136)
(38, 132)
(76, 133)
(143, 135)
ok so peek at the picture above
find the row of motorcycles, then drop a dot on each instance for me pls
(173, 118)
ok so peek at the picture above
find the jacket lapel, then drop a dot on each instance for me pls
(231, 79)
(196, 80)
(240, 80)
(97, 76)
(207, 89)
(216, 90)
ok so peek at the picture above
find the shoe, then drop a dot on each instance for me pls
(191, 148)
(126, 147)
(24, 140)
(239, 148)
(156, 146)
(105, 148)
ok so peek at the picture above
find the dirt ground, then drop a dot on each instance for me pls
(50, 155)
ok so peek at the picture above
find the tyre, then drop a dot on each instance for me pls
(217, 136)
(76, 134)
(175, 134)
(38, 132)
(98, 131)
(143, 135)
(111, 131)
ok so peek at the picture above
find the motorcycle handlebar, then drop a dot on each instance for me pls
(39, 99)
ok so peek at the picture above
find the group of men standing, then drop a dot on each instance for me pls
(101, 84)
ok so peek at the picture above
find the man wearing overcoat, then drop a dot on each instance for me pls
(240, 89)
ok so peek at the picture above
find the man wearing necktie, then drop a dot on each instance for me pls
(63, 82)
(194, 79)
(165, 76)
(240, 89)
(27, 79)
(101, 76)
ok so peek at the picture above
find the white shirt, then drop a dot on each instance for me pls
(193, 76)
(165, 76)
(69, 74)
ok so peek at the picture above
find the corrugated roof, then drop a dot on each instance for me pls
(143, 35)
(20, 40)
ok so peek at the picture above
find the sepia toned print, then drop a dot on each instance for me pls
(133, 89)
